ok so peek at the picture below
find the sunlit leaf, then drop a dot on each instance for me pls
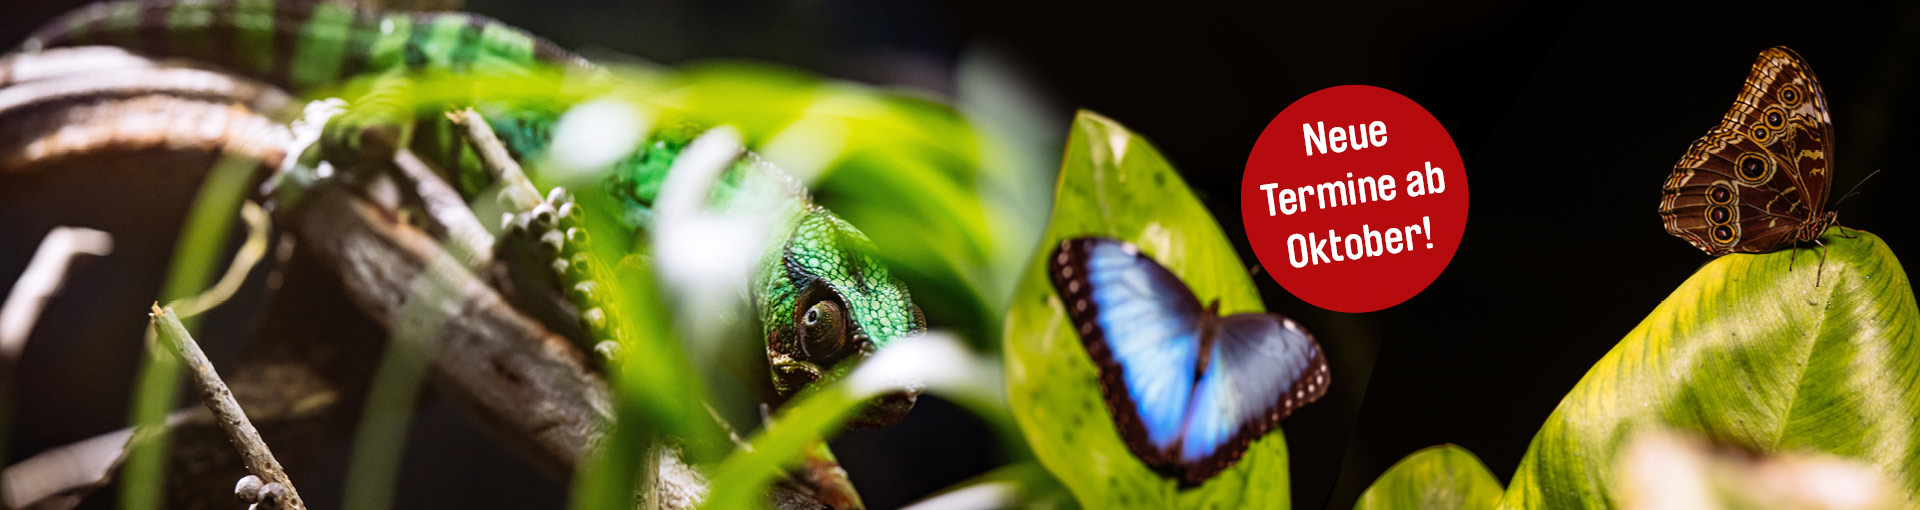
(1749, 351)
(1445, 477)
(1113, 183)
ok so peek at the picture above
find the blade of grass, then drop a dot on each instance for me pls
(380, 440)
(938, 362)
(195, 256)
(657, 392)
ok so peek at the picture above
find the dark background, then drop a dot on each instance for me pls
(1568, 117)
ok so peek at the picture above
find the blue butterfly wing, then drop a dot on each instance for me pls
(1142, 327)
(1261, 367)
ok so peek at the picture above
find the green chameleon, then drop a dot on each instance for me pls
(823, 299)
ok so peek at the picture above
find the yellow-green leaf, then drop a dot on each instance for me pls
(1750, 351)
(1445, 477)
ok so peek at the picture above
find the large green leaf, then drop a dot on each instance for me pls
(1445, 477)
(1750, 351)
(1115, 184)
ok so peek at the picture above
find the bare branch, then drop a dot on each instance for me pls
(519, 190)
(526, 381)
(531, 386)
(466, 239)
(214, 393)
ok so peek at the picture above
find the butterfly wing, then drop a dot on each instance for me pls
(1141, 326)
(1759, 177)
(1261, 368)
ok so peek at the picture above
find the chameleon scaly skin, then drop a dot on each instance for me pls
(302, 44)
(823, 299)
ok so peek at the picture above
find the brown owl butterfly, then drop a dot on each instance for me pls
(1758, 181)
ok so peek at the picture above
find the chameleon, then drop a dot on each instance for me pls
(823, 298)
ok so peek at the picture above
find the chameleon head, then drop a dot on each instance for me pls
(845, 305)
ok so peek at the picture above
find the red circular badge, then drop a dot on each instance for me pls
(1354, 198)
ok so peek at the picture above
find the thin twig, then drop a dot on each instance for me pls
(732, 434)
(214, 393)
(520, 192)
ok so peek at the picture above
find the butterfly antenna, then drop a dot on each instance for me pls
(1855, 190)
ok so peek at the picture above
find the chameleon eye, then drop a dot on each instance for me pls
(919, 319)
(824, 330)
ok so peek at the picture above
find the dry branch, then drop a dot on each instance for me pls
(531, 386)
(517, 188)
(520, 377)
(214, 393)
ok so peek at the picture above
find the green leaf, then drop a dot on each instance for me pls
(1445, 477)
(1115, 184)
(1750, 351)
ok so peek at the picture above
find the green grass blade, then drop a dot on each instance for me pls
(937, 362)
(195, 259)
(380, 440)
(658, 391)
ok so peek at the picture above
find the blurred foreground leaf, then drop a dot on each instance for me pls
(911, 171)
(1661, 470)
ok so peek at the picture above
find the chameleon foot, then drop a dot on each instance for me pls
(555, 226)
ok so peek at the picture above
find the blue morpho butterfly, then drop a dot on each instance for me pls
(1188, 389)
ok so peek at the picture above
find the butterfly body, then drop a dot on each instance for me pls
(1758, 181)
(1187, 388)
